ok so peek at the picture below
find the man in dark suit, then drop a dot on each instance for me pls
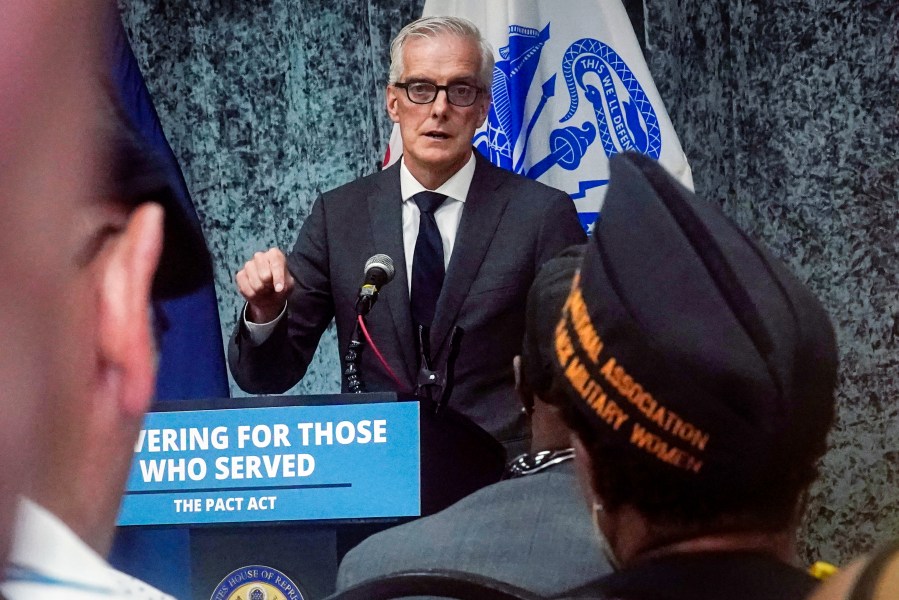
(465, 255)
(531, 530)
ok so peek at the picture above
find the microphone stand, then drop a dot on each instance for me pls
(379, 271)
(351, 358)
(353, 355)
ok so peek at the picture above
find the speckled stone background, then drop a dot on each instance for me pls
(787, 110)
(267, 104)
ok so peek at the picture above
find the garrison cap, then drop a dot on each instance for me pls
(687, 344)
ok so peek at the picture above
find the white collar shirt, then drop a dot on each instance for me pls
(48, 560)
(447, 216)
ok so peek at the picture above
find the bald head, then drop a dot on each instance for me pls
(47, 163)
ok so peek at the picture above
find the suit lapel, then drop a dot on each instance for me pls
(386, 214)
(480, 218)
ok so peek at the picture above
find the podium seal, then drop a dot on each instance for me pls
(257, 582)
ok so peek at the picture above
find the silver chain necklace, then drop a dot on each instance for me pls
(528, 464)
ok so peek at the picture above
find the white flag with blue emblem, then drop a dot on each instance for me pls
(570, 90)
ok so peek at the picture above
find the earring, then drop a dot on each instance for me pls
(604, 545)
(598, 509)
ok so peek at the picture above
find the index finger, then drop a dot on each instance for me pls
(278, 265)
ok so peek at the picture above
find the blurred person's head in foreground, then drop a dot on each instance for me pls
(48, 165)
(104, 357)
(698, 373)
(82, 210)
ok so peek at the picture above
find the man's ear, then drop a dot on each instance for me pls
(392, 100)
(484, 109)
(125, 320)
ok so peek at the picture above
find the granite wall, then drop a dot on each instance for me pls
(267, 104)
(786, 110)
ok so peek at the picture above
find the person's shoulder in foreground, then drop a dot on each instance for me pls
(532, 532)
(50, 560)
(872, 577)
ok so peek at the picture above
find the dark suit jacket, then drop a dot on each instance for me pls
(510, 226)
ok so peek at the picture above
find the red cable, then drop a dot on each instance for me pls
(399, 385)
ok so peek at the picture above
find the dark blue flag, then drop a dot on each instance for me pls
(191, 356)
(192, 361)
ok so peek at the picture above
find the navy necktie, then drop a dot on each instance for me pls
(427, 261)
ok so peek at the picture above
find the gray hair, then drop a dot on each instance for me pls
(432, 27)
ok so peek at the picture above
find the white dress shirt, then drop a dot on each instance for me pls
(49, 561)
(447, 216)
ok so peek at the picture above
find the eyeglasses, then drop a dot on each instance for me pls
(457, 94)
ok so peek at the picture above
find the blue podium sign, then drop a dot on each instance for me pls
(284, 463)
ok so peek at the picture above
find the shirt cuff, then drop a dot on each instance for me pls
(259, 332)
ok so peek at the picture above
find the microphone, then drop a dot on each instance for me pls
(379, 271)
